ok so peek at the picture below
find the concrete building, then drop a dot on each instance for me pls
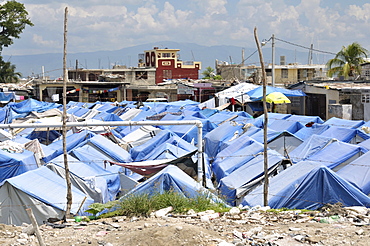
(342, 99)
(124, 83)
(284, 74)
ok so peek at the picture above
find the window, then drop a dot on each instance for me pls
(365, 98)
(167, 74)
(166, 55)
(284, 73)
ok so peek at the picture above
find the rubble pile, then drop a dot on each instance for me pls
(240, 226)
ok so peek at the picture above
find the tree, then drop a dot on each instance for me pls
(7, 72)
(347, 61)
(208, 73)
(13, 20)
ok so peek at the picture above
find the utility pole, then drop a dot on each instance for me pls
(273, 60)
(64, 126)
(310, 55)
(265, 157)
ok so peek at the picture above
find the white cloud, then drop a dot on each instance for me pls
(97, 25)
(46, 43)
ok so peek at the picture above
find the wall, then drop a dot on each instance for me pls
(343, 111)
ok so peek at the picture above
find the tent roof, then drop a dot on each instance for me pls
(307, 196)
(257, 93)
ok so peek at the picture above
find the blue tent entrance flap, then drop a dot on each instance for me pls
(307, 196)
(257, 94)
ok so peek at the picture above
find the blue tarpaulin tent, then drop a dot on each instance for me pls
(256, 94)
(14, 164)
(214, 139)
(358, 173)
(333, 156)
(307, 195)
(237, 182)
(44, 191)
(344, 123)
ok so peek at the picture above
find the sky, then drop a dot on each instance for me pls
(95, 25)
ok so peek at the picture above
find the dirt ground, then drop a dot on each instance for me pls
(244, 228)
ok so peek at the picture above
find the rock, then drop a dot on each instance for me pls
(358, 209)
(234, 211)
(224, 243)
(191, 212)
(163, 212)
(299, 238)
(28, 229)
(205, 219)
(133, 219)
(238, 234)
(360, 232)
(22, 241)
(101, 233)
(23, 235)
(265, 208)
(116, 226)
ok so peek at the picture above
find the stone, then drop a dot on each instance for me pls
(163, 212)
(358, 209)
(224, 243)
(360, 232)
(234, 211)
(28, 229)
(191, 212)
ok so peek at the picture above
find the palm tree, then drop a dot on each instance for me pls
(347, 61)
(8, 73)
(208, 73)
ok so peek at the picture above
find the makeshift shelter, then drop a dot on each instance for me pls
(344, 123)
(14, 164)
(307, 195)
(347, 135)
(307, 131)
(257, 93)
(173, 179)
(357, 173)
(335, 155)
(309, 147)
(239, 182)
(141, 152)
(214, 139)
(139, 136)
(87, 177)
(43, 191)
(222, 167)
(56, 148)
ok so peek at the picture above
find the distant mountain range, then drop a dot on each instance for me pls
(31, 65)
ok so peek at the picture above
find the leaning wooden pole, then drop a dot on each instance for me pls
(265, 157)
(64, 127)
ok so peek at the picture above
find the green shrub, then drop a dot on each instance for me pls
(144, 204)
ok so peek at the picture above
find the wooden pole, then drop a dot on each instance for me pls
(265, 157)
(35, 226)
(64, 128)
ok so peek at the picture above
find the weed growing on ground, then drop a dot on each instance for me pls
(143, 204)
